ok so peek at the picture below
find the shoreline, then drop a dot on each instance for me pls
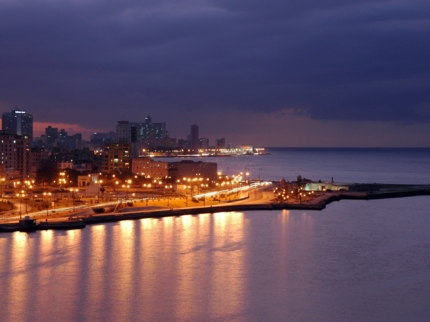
(317, 204)
(329, 198)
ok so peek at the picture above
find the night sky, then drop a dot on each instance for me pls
(268, 73)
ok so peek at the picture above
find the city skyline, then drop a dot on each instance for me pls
(383, 136)
(325, 73)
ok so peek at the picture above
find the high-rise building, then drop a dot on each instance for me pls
(51, 135)
(15, 154)
(58, 139)
(123, 130)
(194, 138)
(18, 122)
(143, 135)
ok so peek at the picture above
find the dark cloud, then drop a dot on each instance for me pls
(335, 60)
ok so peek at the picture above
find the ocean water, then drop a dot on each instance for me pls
(353, 261)
(343, 165)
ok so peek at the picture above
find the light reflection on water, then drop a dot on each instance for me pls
(96, 281)
(18, 282)
(338, 264)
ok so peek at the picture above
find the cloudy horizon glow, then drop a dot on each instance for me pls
(270, 73)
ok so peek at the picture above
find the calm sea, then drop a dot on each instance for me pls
(353, 261)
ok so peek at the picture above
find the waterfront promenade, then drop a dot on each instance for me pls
(261, 198)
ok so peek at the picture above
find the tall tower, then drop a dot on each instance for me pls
(18, 122)
(194, 138)
(51, 135)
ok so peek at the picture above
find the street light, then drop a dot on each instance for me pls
(73, 190)
(47, 194)
(186, 195)
(98, 189)
(20, 202)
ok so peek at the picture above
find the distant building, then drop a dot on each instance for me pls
(38, 156)
(203, 143)
(194, 138)
(59, 139)
(144, 135)
(51, 135)
(99, 139)
(149, 168)
(74, 141)
(220, 143)
(18, 122)
(123, 130)
(64, 165)
(147, 130)
(62, 155)
(191, 169)
(15, 154)
(83, 155)
(117, 157)
(182, 144)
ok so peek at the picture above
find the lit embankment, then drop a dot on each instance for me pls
(262, 199)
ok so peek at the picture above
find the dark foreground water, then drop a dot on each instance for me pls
(354, 261)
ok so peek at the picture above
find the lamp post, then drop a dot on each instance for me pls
(98, 191)
(204, 200)
(186, 195)
(20, 202)
(73, 190)
(259, 170)
(47, 194)
(76, 190)
(100, 186)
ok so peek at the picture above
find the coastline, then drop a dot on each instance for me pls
(249, 204)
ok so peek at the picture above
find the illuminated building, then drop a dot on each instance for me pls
(149, 168)
(144, 135)
(18, 122)
(188, 168)
(15, 154)
(117, 157)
